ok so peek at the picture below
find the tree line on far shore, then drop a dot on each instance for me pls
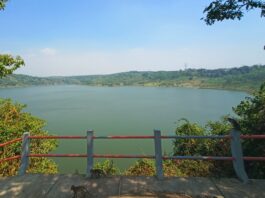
(245, 78)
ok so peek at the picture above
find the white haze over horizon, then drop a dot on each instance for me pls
(53, 62)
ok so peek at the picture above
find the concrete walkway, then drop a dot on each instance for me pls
(37, 185)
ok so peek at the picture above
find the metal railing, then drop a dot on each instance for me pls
(234, 138)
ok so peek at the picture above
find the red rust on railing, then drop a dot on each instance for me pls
(94, 137)
(162, 137)
(95, 155)
(129, 137)
(124, 137)
(196, 137)
(10, 158)
(252, 136)
(123, 156)
(57, 137)
(10, 142)
(57, 155)
(222, 158)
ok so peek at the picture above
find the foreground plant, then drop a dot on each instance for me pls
(13, 123)
(108, 167)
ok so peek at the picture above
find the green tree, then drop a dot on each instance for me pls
(188, 146)
(2, 4)
(13, 123)
(219, 147)
(251, 112)
(203, 147)
(8, 64)
(220, 10)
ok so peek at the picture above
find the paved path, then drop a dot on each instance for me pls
(56, 186)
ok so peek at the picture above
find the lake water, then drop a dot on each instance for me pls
(71, 110)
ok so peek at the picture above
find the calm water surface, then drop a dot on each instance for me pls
(71, 110)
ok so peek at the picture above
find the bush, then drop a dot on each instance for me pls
(203, 147)
(142, 167)
(108, 167)
(146, 167)
(13, 123)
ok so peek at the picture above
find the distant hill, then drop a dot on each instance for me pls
(246, 78)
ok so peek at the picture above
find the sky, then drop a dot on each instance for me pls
(65, 38)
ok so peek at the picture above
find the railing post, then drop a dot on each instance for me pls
(238, 162)
(90, 134)
(24, 155)
(158, 154)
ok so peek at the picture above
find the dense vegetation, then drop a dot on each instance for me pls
(13, 123)
(243, 78)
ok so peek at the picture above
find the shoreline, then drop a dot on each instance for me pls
(152, 86)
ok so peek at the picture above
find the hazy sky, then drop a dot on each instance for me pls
(63, 37)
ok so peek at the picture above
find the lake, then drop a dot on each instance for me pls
(71, 110)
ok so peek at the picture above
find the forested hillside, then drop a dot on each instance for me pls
(246, 78)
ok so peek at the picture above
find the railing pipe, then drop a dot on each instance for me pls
(124, 156)
(252, 136)
(57, 155)
(56, 137)
(10, 158)
(10, 142)
(164, 137)
(196, 137)
(24, 155)
(124, 137)
(90, 160)
(221, 158)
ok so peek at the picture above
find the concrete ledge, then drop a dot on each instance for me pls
(37, 185)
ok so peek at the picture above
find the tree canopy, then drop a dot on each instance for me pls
(13, 123)
(220, 10)
(8, 64)
(2, 4)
